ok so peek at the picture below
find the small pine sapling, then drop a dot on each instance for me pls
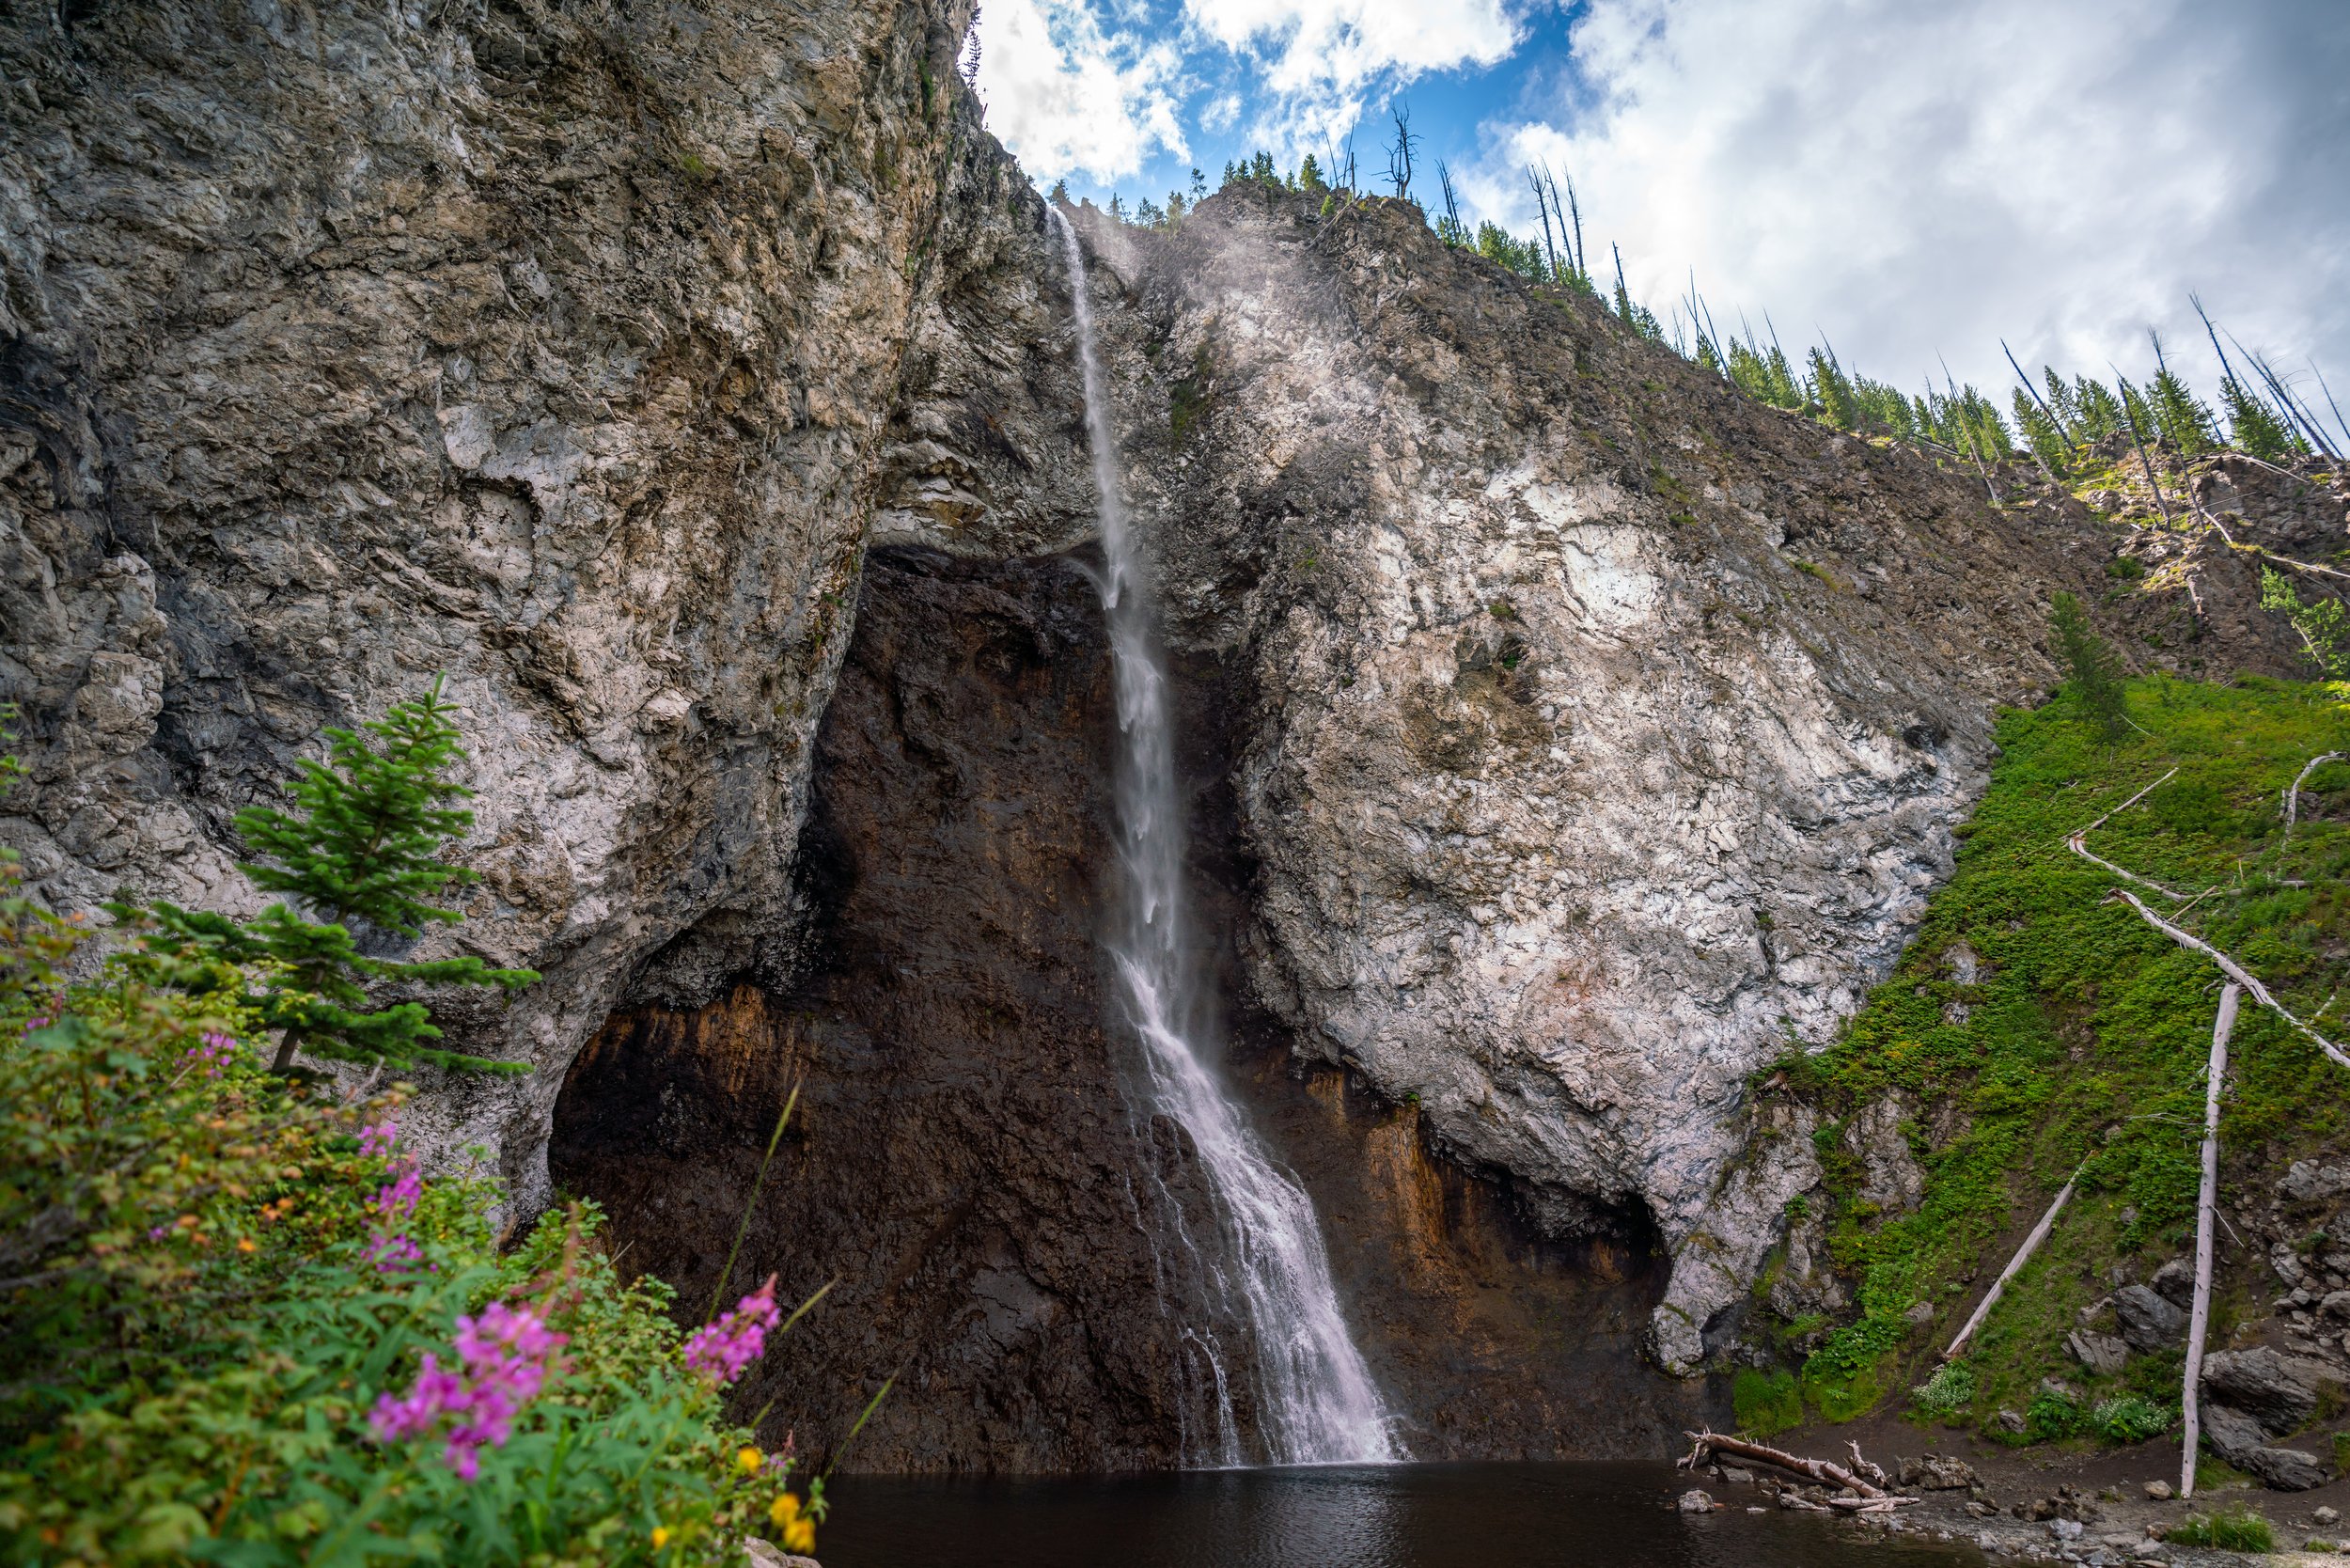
(360, 849)
(2096, 673)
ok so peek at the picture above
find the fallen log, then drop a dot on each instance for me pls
(2235, 971)
(1866, 1467)
(2206, 1208)
(2077, 841)
(1706, 1444)
(1869, 1505)
(2292, 791)
(2023, 1256)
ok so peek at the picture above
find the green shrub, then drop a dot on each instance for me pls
(2324, 628)
(2050, 1415)
(1948, 1395)
(2237, 1530)
(1767, 1403)
(2128, 1418)
(1842, 1396)
(241, 1327)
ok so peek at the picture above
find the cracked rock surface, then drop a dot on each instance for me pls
(1605, 732)
(559, 350)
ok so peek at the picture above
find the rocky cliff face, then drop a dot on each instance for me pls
(1573, 736)
(1009, 1240)
(1601, 732)
(557, 349)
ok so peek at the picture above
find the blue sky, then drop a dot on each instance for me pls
(1912, 181)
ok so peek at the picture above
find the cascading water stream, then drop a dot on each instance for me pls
(1318, 1405)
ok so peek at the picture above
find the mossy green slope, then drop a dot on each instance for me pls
(2080, 1040)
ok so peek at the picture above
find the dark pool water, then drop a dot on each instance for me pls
(1400, 1516)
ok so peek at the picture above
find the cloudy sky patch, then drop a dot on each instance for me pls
(1912, 182)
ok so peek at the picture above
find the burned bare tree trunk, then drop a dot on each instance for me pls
(2014, 1265)
(2206, 1212)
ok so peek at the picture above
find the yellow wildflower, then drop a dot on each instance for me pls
(660, 1536)
(800, 1536)
(748, 1459)
(785, 1511)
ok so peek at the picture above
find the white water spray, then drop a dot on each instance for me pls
(1316, 1401)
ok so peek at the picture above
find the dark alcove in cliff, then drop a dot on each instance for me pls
(1010, 1241)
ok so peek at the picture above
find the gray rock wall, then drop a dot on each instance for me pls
(557, 349)
(1598, 733)
(1606, 730)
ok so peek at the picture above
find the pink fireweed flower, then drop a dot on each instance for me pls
(438, 1388)
(397, 1198)
(211, 1055)
(393, 1254)
(501, 1330)
(379, 1139)
(506, 1355)
(722, 1350)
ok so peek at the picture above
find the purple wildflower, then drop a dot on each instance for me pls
(397, 1198)
(438, 1388)
(505, 1354)
(722, 1350)
(393, 1253)
(379, 1139)
(212, 1054)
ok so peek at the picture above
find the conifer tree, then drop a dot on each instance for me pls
(2252, 425)
(2101, 413)
(2180, 417)
(2040, 434)
(2096, 672)
(1833, 393)
(2138, 411)
(2064, 404)
(358, 859)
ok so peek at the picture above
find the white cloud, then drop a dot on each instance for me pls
(1921, 178)
(1321, 57)
(1067, 98)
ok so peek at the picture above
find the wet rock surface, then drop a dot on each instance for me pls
(963, 1160)
(1603, 730)
(1010, 1242)
(1580, 730)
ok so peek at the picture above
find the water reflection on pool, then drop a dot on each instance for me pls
(1399, 1516)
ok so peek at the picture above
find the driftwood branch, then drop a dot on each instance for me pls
(2014, 1265)
(2235, 971)
(2206, 1208)
(1866, 1468)
(1705, 1444)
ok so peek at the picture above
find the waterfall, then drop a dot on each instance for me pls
(1316, 1401)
